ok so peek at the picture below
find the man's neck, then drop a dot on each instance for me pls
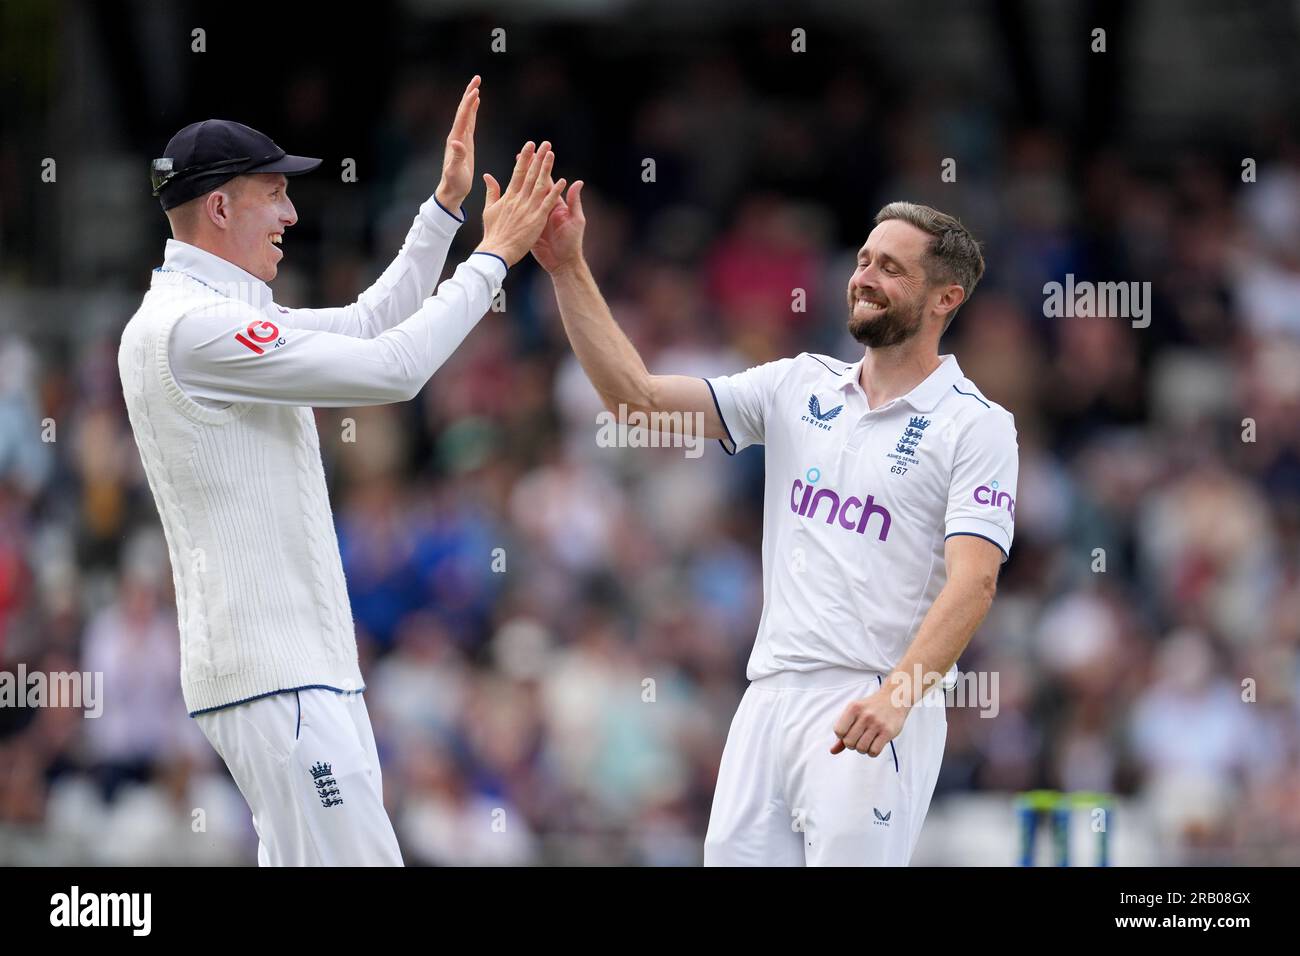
(890, 372)
(198, 242)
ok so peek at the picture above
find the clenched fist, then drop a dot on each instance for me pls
(869, 724)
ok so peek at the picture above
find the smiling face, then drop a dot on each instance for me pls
(888, 293)
(259, 213)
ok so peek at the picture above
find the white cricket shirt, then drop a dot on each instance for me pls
(858, 502)
(217, 380)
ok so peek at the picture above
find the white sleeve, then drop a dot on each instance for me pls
(743, 400)
(982, 493)
(409, 278)
(231, 352)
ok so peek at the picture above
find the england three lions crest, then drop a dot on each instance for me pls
(327, 788)
(905, 449)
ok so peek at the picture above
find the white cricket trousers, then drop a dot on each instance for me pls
(305, 760)
(783, 799)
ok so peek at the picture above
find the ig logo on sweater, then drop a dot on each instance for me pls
(263, 332)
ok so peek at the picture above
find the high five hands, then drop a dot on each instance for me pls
(513, 220)
(531, 213)
(458, 157)
(559, 247)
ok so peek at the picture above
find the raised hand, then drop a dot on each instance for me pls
(458, 158)
(513, 220)
(560, 245)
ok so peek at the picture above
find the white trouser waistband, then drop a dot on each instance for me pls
(820, 679)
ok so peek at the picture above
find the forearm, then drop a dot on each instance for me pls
(429, 337)
(313, 367)
(945, 631)
(606, 354)
(413, 274)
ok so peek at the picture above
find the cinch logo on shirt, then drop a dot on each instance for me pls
(817, 417)
(806, 507)
(989, 495)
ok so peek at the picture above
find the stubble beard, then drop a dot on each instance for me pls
(893, 326)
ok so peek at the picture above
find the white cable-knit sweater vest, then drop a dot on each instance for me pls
(260, 595)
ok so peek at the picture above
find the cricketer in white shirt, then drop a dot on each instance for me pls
(865, 497)
(218, 381)
(889, 506)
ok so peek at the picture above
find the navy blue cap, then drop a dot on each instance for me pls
(204, 155)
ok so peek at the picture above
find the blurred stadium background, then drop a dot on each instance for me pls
(523, 690)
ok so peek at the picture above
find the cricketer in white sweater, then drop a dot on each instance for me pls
(218, 381)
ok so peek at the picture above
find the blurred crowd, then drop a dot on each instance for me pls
(554, 634)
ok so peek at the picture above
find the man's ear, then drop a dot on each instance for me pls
(951, 297)
(217, 206)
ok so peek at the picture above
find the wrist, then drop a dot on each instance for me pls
(902, 689)
(569, 268)
(449, 199)
(498, 250)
